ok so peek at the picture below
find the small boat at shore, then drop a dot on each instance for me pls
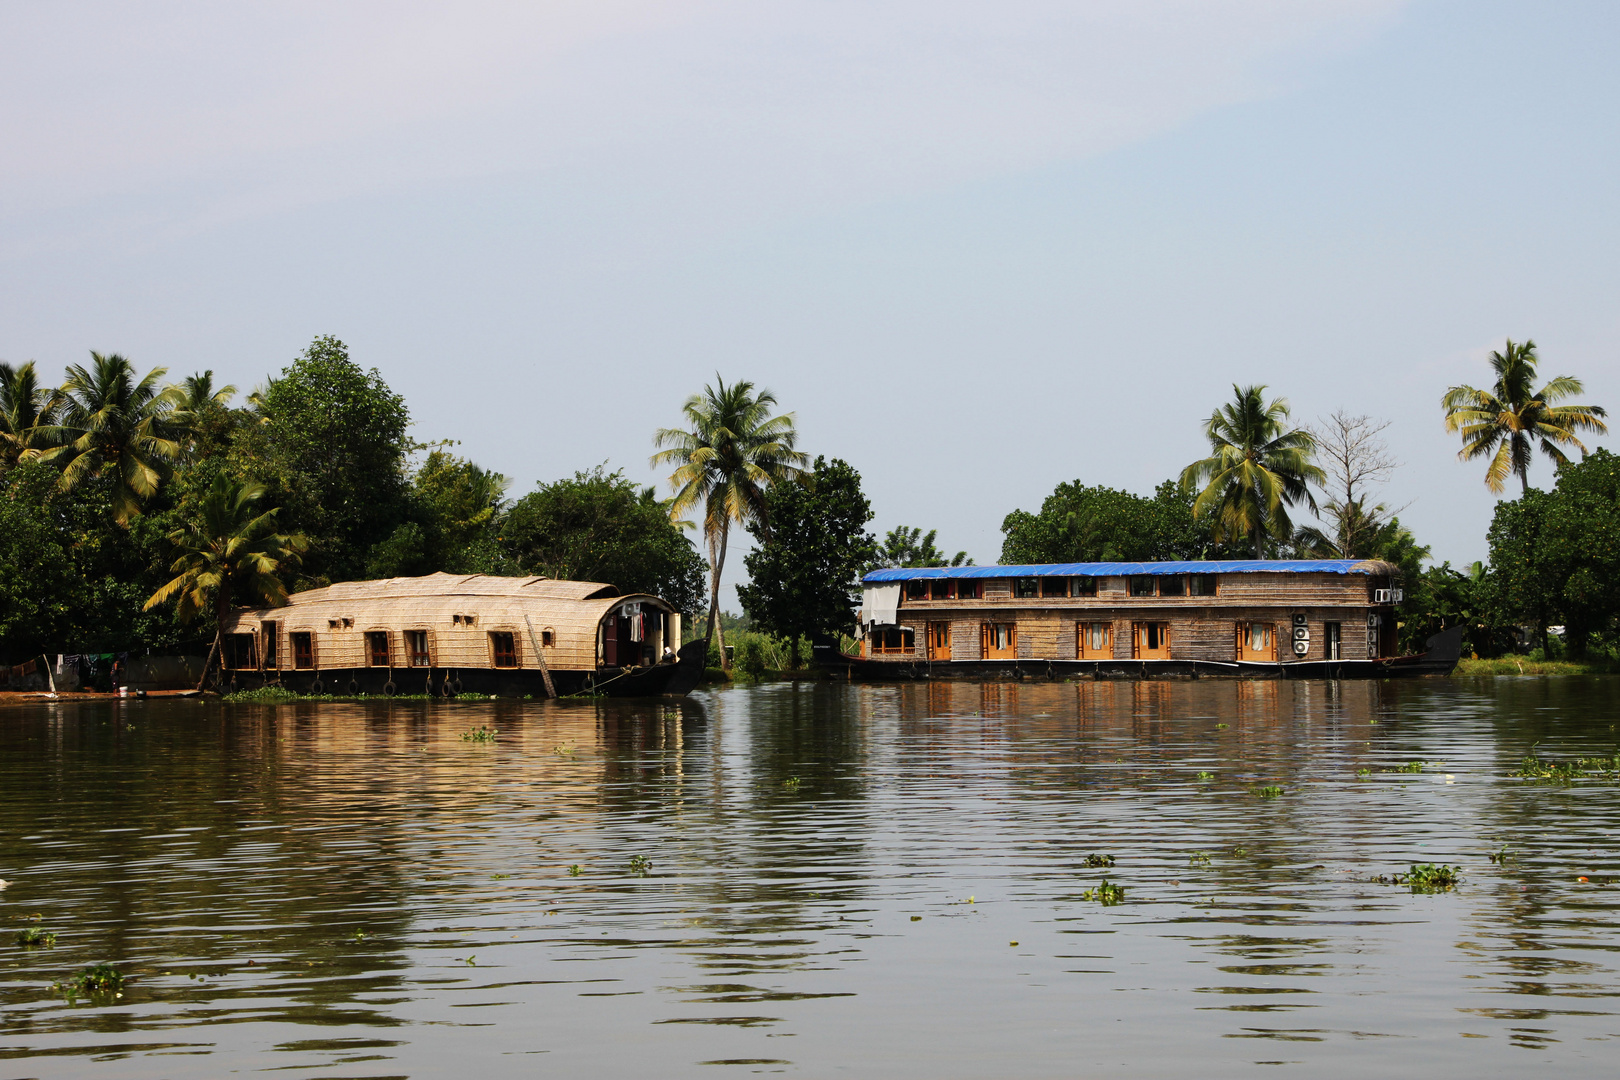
(449, 634)
(1246, 619)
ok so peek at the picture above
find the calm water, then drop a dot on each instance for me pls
(861, 881)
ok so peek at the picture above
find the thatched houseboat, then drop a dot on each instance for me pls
(1247, 618)
(447, 634)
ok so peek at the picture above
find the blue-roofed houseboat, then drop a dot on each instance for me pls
(1271, 618)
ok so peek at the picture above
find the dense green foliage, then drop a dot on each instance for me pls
(805, 572)
(906, 547)
(1078, 523)
(598, 526)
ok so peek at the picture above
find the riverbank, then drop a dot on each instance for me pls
(1523, 665)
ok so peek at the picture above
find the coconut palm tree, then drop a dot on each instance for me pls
(732, 451)
(1260, 466)
(226, 550)
(114, 424)
(27, 414)
(1506, 422)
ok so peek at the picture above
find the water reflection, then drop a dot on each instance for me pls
(880, 880)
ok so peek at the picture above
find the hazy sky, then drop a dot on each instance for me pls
(978, 248)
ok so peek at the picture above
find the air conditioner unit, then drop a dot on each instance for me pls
(1302, 633)
(1301, 647)
(1397, 595)
(1299, 618)
(1381, 596)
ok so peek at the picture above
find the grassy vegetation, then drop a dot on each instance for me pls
(1526, 665)
(1567, 772)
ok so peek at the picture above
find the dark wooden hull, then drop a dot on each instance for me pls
(1441, 657)
(668, 680)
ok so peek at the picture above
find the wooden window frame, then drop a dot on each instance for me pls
(1180, 584)
(1132, 581)
(942, 589)
(1082, 631)
(1140, 648)
(387, 649)
(918, 586)
(987, 631)
(270, 633)
(496, 655)
(1333, 641)
(968, 588)
(1054, 588)
(252, 651)
(1031, 584)
(306, 638)
(938, 640)
(1195, 581)
(413, 635)
(1245, 635)
(1085, 587)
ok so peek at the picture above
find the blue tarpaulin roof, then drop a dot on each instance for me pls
(1126, 569)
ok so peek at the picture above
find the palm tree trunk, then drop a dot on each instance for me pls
(717, 564)
(214, 648)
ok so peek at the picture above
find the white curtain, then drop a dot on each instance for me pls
(881, 605)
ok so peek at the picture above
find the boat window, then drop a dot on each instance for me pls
(941, 590)
(416, 643)
(268, 632)
(303, 648)
(891, 640)
(548, 637)
(239, 651)
(1173, 585)
(1083, 586)
(969, 590)
(503, 647)
(1026, 588)
(1054, 586)
(916, 590)
(377, 648)
(334, 624)
(1144, 585)
(1201, 585)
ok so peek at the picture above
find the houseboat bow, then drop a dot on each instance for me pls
(1250, 618)
(448, 634)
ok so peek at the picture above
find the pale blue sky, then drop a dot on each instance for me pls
(978, 248)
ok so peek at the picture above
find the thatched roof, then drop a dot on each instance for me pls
(452, 585)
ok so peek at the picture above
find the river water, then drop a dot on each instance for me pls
(817, 880)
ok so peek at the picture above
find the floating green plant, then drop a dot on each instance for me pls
(1205, 777)
(96, 981)
(1426, 878)
(1267, 791)
(1412, 767)
(358, 936)
(1363, 774)
(1198, 858)
(791, 783)
(640, 865)
(1107, 894)
(1239, 852)
(1220, 727)
(32, 937)
(1567, 772)
(575, 870)
(1099, 860)
(1501, 855)
(479, 734)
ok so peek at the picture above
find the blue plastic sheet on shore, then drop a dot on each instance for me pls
(1128, 569)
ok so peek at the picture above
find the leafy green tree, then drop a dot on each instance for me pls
(228, 551)
(1258, 468)
(598, 526)
(40, 584)
(1078, 523)
(1508, 421)
(113, 424)
(27, 415)
(1522, 581)
(804, 575)
(204, 412)
(332, 447)
(732, 451)
(905, 546)
(464, 504)
(1580, 548)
